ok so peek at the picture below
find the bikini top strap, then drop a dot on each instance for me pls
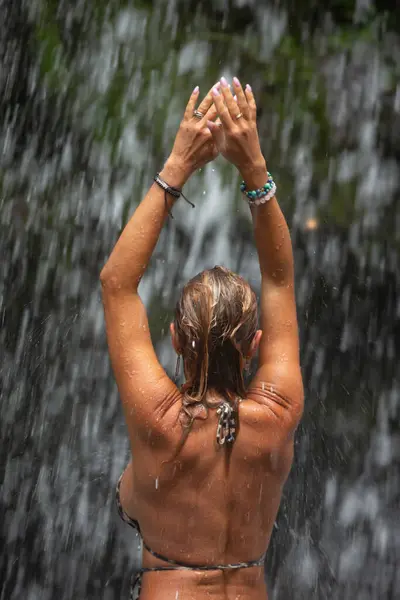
(227, 423)
(175, 564)
(124, 516)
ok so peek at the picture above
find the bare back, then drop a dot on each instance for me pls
(204, 504)
(210, 504)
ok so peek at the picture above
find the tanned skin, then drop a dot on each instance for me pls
(197, 506)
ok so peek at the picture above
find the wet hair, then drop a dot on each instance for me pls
(216, 319)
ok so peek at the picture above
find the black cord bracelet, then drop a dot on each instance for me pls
(175, 192)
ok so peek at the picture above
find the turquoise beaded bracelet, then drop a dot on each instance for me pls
(262, 195)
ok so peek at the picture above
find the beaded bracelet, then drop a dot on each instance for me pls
(262, 195)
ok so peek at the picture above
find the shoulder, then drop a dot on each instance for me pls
(267, 438)
(275, 404)
(154, 419)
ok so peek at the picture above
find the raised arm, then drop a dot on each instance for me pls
(274, 247)
(278, 382)
(193, 147)
(146, 391)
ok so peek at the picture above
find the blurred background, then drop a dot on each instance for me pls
(91, 95)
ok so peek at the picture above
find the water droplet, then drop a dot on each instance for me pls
(156, 483)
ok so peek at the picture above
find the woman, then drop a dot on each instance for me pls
(210, 459)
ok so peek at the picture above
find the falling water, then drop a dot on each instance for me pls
(91, 95)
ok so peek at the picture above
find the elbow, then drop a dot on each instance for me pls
(105, 275)
(109, 280)
(113, 283)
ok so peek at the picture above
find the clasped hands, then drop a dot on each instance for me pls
(221, 124)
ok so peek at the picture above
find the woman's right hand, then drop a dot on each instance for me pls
(237, 138)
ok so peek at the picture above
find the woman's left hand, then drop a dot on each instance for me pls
(194, 145)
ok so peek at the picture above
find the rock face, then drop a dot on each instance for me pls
(92, 93)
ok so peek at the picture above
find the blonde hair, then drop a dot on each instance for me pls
(215, 322)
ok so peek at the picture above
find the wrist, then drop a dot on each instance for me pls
(174, 173)
(255, 175)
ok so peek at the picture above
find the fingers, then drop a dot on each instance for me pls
(226, 105)
(207, 101)
(241, 98)
(222, 110)
(192, 103)
(210, 115)
(251, 102)
(230, 101)
(220, 103)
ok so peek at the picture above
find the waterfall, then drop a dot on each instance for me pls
(92, 94)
